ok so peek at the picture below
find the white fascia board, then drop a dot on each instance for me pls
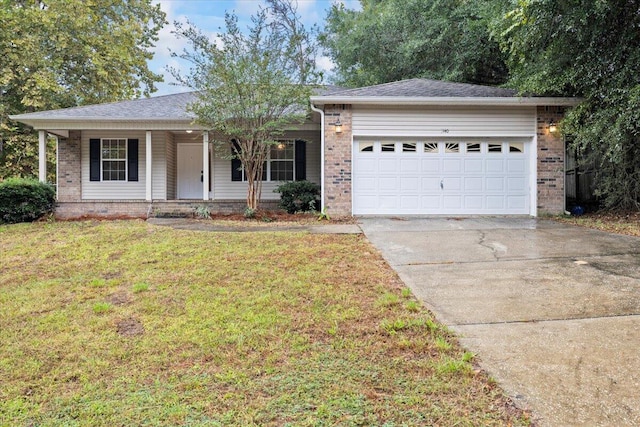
(487, 101)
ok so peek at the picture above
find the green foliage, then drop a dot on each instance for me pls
(592, 50)
(399, 39)
(64, 53)
(298, 196)
(202, 211)
(249, 213)
(251, 85)
(25, 200)
(323, 215)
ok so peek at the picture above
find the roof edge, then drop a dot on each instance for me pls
(404, 100)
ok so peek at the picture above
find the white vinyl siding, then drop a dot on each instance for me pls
(444, 121)
(171, 166)
(159, 165)
(126, 190)
(112, 190)
(225, 189)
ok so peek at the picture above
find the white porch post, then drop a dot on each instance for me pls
(205, 165)
(42, 156)
(148, 167)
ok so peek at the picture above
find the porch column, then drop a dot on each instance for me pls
(42, 156)
(148, 167)
(205, 165)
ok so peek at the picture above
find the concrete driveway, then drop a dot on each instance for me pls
(552, 311)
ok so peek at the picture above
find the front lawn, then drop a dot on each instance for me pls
(125, 323)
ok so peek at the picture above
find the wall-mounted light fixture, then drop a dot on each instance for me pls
(189, 131)
(553, 127)
(338, 126)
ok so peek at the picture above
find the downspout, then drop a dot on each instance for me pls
(317, 110)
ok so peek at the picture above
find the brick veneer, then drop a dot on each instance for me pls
(551, 152)
(337, 166)
(144, 209)
(69, 170)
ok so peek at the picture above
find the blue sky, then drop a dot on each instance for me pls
(208, 16)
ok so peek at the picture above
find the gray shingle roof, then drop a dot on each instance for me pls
(167, 107)
(428, 89)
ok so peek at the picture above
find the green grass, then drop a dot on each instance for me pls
(124, 323)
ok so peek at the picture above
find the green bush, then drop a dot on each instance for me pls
(298, 196)
(25, 200)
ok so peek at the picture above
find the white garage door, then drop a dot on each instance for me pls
(440, 177)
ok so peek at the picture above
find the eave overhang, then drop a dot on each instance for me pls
(445, 101)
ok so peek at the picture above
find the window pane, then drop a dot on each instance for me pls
(516, 147)
(495, 148)
(282, 151)
(365, 146)
(452, 147)
(114, 170)
(473, 147)
(431, 147)
(282, 170)
(409, 147)
(388, 147)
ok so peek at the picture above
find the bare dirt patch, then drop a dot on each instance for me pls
(130, 327)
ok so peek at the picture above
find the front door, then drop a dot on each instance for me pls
(189, 171)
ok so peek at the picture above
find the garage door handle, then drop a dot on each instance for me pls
(442, 184)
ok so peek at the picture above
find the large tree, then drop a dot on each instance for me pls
(251, 85)
(64, 53)
(589, 49)
(392, 40)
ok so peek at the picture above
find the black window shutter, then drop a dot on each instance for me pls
(236, 165)
(301, 160)
(132, 159)
(94, 160)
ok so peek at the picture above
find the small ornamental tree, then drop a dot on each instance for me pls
(250, 86)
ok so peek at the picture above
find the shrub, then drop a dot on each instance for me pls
(298, 196)
(25, 200)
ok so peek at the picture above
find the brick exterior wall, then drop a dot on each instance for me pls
(144, 209)
(551, 154)
(337, 166)
(69, 170)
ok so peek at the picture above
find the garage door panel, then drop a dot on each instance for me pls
(367, 165)
(473, 184)
(472, 165)
(452, 202)
(516, 202)
(452, 183)
(410, 202)
(410, 165)
(495, 165)
(494, 184)
(495, 203)
(516, 184)
(451, 166)
(388, 165)
(516, 165)
(431, 165)
(365, 184)
(388, 183)
(473, 202)
(440, 180)
(410, 184)
(387, 201)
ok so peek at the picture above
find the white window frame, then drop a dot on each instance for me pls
(103, 160)
(267, 169)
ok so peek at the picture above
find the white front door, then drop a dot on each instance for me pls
(472, 176)
(189, 171)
